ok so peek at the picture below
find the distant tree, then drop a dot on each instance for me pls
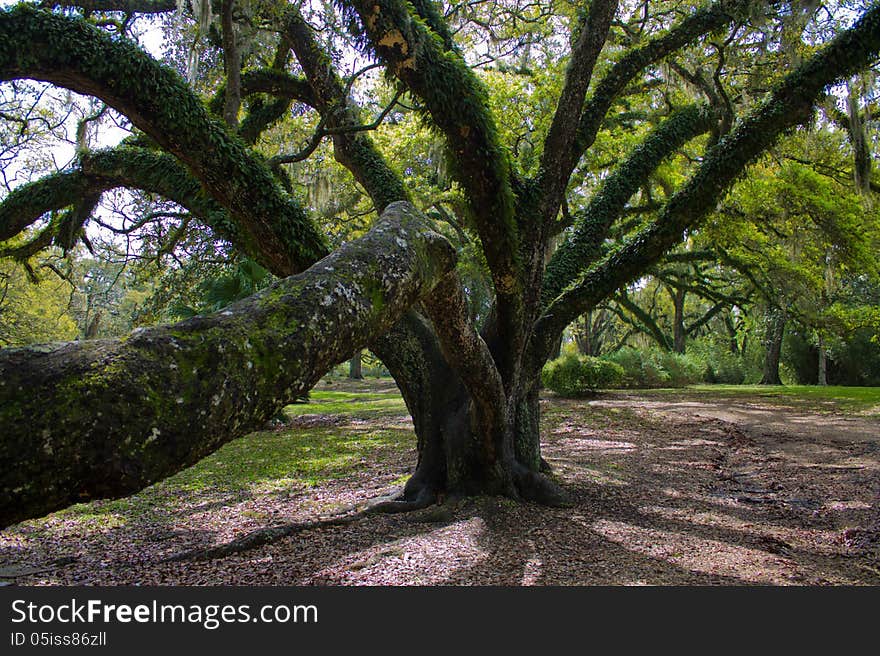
(33, 312)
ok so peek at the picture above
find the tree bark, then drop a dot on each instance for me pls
(679, 334)
(731, 334)
(104, 418)
(773, 342)
(823, 362)
(354, 367)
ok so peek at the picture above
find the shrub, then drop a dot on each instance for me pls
(579, 375)
(630, 360)
(682, 368)
(719, 365)
(656, 368)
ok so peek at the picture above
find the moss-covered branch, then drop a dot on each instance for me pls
(583, 245)
(790, 104)
(71, 53)
(27, 203)
(103, 170)
(354, 150)
(634, 62)
(269, 81)
(456, 102)
(641, 320)
(104, 418)
(262, 114)
(123, 6)
(560, 154)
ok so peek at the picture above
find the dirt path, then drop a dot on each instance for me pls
(674, 491)
(761, 419)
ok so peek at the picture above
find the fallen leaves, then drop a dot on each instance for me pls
(661, 496)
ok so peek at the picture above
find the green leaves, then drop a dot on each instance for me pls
(579, 375)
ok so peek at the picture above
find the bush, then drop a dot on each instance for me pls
(656, 368)
(579, 375)
(720, 365)
(682, 368)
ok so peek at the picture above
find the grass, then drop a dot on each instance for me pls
(361, 404)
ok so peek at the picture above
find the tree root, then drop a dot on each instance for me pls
(393, 503)
(404, 501)
(261, 537)
(537, 487)
(528, 486)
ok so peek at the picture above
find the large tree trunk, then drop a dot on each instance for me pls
(355, 366)
(823, 362)
(773, 343)
(475, 435)
(460, 455)
(104, 418)
(678, 331)
(587, 338)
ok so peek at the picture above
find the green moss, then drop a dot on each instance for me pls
(71, 52)
(585, 243)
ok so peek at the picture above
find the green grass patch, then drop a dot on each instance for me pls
(360, 404)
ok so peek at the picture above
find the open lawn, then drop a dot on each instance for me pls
(710, 485)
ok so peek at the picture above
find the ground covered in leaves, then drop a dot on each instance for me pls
(686, 487)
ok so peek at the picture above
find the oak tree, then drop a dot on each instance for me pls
(547, 186)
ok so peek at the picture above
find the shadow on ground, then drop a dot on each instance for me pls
(681, 492)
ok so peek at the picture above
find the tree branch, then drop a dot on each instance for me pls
(457, 103)
(104, 418)
(647, 325)
(71, 53)
(103, 170)
(790, 104)
(584, 243)
(354, 150)
(621, 74)
(124, 6)
(560, 153)
(231, 64)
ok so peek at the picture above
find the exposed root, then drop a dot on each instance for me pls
(534, 486)
(526, 485)
(404, 501)
(260, 538)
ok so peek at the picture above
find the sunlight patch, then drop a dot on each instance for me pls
(532, 571)
(584, 444)
(428, 559)
(779, 538)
